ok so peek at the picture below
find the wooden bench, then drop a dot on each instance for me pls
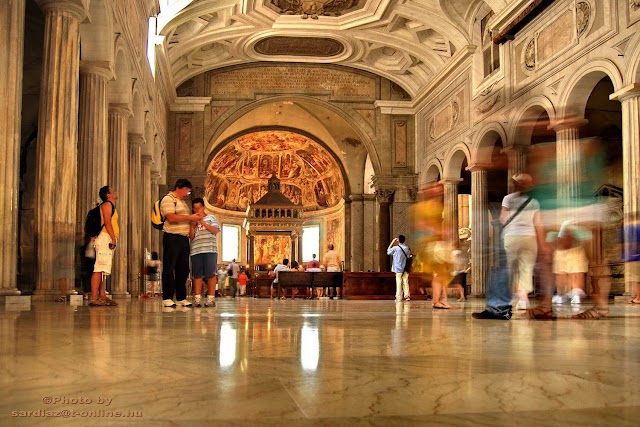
(309, 279)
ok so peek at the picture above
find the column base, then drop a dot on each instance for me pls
(10, 292)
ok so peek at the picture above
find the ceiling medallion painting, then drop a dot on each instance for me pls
(314, 8)
(238, 175)
(299, 46)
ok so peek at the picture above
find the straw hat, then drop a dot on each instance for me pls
(523, 180)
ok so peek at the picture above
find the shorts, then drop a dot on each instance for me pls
(104, 255)
(568, 261)
(204, 265)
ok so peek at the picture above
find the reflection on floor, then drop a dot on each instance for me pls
(261, 362)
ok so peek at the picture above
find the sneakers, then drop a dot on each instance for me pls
(522, 305)
(210, 302)
(168, 303)
(576, 299)
(183, 303)
(491, 316)
(197, 302)
(407, 299)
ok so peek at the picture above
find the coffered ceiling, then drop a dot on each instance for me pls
(405, 41)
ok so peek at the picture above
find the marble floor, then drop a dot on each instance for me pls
(314, 363)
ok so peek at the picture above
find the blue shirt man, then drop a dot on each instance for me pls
(400, 253)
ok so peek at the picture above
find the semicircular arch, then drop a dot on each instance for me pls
(455, 159)
(529, 113)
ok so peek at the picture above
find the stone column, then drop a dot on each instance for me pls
(479, 230)
(252, 248)
(11, 58)
(568, 158)
(145, 209)
(517, 158)
(630, 99)
(57, 149)
(370, 237)
(155, 234)
(347, 234)
(92, 138)
(118, 164)
(384, 198)
(450, 222)
(357, 232)
(134, 213)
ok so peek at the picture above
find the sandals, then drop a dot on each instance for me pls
(633, 301)
(593, 313)
(440, 305)
(538, 313)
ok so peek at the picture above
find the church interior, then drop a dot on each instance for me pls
(305, 125)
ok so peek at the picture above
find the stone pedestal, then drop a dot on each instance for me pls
(630, 99)
(479, 230)
(118, 164)
(357, 232)
(57, 149)
(11, 58)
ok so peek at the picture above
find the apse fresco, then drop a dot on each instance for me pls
(308, 174)
(272, 249)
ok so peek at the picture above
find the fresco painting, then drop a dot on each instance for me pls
(272, 249)
(238, 174)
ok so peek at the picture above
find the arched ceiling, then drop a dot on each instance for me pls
(407, 42)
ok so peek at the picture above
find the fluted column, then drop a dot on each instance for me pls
(384, 198)
(57, 148)
(630, 99)
(517, 159)
(145, 210)
(134, 212)
(92, 136)
(568, 158)
(357, 232)
(118, 164)
(450, 222)
(371, 236)
(11, 58)
(479, 230)
(347, 234)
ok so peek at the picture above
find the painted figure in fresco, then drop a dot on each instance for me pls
(265, 167)
(321, 197)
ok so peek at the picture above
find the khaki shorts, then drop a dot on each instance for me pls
(104, 255)
(632, 271)
(568, 261)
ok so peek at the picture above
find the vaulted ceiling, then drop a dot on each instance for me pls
(405, 41)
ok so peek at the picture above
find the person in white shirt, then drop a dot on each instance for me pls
(280, 267)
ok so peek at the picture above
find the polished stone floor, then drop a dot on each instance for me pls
(260, 362)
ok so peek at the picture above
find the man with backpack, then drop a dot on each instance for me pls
(176, 244)
(105, 244)
(401, 257)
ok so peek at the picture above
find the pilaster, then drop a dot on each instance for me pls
(11, 61)
(357, 232)
(57, 149)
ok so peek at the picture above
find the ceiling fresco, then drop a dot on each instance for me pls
(238, 174)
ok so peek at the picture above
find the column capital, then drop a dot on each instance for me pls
(451, 181)
(631, 91)
(99, 68)
(79, 8)
(479, 167)
(120, 109)
(135, 139)
(384, 195)
(156, 176)
(147, 159)
(515, 149)
(568, 123)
